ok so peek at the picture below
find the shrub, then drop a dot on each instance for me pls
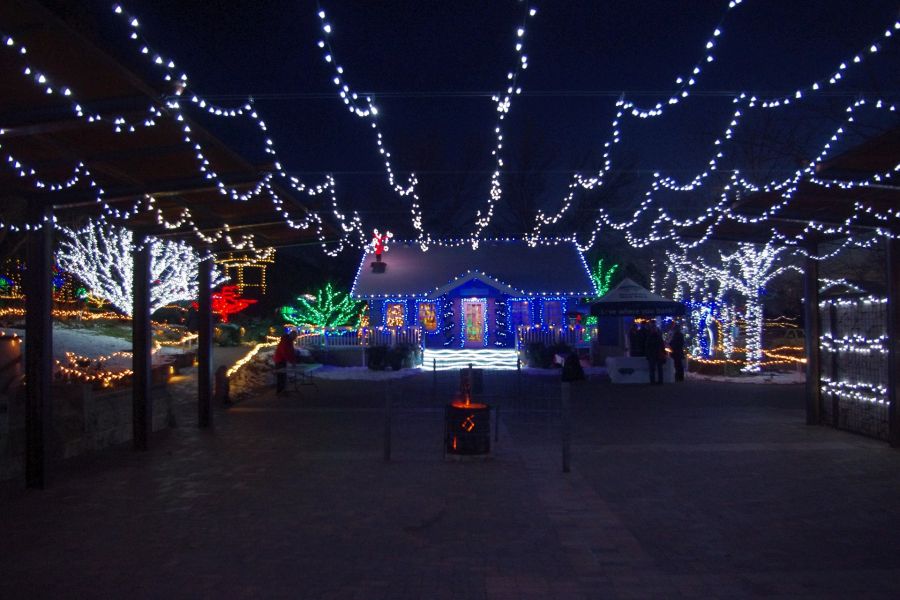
(376, 357)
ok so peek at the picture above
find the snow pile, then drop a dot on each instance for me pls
(589, 372)
(792, 378)
(86, 342)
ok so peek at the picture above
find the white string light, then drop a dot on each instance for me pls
(100, 255)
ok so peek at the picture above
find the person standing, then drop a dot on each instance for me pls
(640, 345)
(676, 344)
(655, 349)
(634, 340)
(284, 353)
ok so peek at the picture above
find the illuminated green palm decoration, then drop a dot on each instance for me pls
(331, 309)
(602, 277)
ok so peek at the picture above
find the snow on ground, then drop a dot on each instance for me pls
(557, 372)
(361, 373)
(793, 377)
(259, 373)
(86, 342)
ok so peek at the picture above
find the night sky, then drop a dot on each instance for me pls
(432, 67)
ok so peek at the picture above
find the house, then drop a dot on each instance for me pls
(465, 298)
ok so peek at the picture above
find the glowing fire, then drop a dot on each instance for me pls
(468, 424)
(467, 404)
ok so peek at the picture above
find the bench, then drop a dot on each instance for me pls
(299, 374)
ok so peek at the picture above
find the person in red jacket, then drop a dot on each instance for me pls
(284, 353)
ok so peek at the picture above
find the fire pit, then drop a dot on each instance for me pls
(468, 426)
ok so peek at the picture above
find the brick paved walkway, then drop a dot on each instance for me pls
(692, 491)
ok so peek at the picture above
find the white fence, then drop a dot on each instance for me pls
(377, 336)
(574, 335)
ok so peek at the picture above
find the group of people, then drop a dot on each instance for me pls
(647, 341)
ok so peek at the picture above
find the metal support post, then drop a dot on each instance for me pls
(565, 425)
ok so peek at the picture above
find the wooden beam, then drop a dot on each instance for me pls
(44, 120)
(141, 402)
(209, 227)
(204, 345)
(893, 333)
(813, 332)
(113, 154)
(38, 349)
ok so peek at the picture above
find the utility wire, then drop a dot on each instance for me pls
(845, 93)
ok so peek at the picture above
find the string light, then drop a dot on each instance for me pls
(711, 218)
(241, 262)
(101, 256)
(239, 364)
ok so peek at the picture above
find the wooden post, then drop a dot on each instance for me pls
(204, 344)
(893, 335)
(38, 348)
(141, 402)
(813, 333)
(835, 376)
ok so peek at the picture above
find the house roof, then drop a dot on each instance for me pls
(512, 266)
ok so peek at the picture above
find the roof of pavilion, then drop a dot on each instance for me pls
(41, 131)
(827, 203)
(511, 266)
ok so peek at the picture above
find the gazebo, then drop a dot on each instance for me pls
(628, 299)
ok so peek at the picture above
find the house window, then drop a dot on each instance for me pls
(394, 314)
(519, 313)
(427, 316)
(553, 313)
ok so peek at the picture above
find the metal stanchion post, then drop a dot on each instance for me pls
(566, 426)
(387, 423)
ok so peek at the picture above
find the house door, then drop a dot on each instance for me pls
(473, 322)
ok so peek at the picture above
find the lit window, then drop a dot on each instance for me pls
(394, 315)
(552, 313)
(519, 313)
(427, 316)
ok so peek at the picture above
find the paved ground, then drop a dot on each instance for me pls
(692, 491)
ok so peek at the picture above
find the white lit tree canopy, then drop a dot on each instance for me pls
(100, 255)
(747, 271)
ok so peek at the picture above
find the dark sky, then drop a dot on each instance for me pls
(433, 64)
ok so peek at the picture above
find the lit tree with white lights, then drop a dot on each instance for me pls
(100, 255)
(748, 271)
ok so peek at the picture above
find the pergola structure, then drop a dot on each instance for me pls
(41, 131)
(834, 205)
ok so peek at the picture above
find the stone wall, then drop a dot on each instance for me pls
(84, 420)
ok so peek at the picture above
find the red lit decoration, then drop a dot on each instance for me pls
(228, 302)
(378, 243)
